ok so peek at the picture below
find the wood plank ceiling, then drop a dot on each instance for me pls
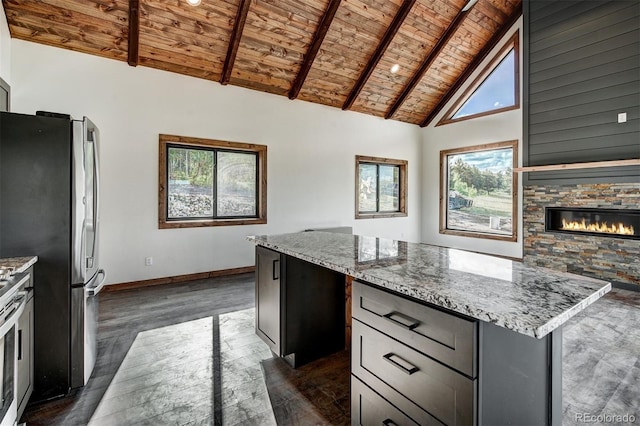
(333, 52)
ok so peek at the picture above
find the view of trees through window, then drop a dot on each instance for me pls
(380, 187)
(208, 183)
(479, 185)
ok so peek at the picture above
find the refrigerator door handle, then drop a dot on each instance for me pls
(79, 223)
(93, 291)
(96, 198)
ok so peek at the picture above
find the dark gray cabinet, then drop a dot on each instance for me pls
(268, 320)
(424, 388)
(25, 349)
(414, 363)
(370, 408)
(447, 338)
(410, 353)
(300, 309)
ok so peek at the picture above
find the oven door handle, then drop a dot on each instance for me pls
(12, 318)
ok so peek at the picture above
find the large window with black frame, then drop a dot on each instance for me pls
(206, 182)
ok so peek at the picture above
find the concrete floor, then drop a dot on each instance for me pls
(601, 361)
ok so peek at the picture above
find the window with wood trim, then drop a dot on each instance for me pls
(496, 89)
(206, 182)
(478, 191)
(381, 187)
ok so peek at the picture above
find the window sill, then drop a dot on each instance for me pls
(211, 222)
(488, 236)
(379, 215)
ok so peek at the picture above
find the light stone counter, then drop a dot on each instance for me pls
(529, 300)
(20, 264)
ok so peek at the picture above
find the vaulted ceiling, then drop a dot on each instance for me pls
(333, 52)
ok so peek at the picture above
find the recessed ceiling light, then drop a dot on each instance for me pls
(194, 2)
(395, 68)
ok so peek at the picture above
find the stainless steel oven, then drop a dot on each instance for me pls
(11, 311)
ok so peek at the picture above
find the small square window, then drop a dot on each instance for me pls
(380, 187)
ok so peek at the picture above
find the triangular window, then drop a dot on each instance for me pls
(495, 90)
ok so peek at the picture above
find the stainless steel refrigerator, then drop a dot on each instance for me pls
(49, 208)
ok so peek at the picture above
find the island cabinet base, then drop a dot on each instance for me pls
(299, 307)
(413, 363)
(520, 377)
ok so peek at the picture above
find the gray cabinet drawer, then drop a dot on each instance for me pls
(445, 337)
(369, 408)
(442, 392)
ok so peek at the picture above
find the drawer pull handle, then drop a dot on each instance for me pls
(402, 320)
(400, 363)
(389, 422)
(276, 270)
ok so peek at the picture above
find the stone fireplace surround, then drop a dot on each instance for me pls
(612, 259)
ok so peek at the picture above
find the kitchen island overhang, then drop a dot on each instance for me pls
(528, 300)
(517, 313)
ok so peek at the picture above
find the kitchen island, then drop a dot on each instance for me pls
(439, 335)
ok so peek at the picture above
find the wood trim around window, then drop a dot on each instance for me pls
(514, 44)
(402, 212)
(190, 142)
(444, 189)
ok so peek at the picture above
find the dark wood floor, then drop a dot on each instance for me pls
(601, 363)
(125, 314)
(317, 393)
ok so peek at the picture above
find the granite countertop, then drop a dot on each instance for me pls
(9, 287)
(529, 300)
(20, 264)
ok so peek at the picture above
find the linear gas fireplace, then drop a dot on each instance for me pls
(616, 223)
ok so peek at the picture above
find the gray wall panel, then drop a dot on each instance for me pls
(583, 62)
(543, 10)
(583, 15)
(589, 33)
(607, 93)
(575, 153)
(610, 133)
(561, 55)
(557, 123)
(587, 74)
(564, 68)
(553, 12)
(584, 87)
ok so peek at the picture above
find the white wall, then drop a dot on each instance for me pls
(5, 47)
(492, 128)
(311, 156)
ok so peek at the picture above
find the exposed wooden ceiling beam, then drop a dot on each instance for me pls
(377, 55)
(310, 56)
(424, 67)
(495, 39)
(134, 32)
(234, 43)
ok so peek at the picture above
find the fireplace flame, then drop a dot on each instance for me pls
(620, 228)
